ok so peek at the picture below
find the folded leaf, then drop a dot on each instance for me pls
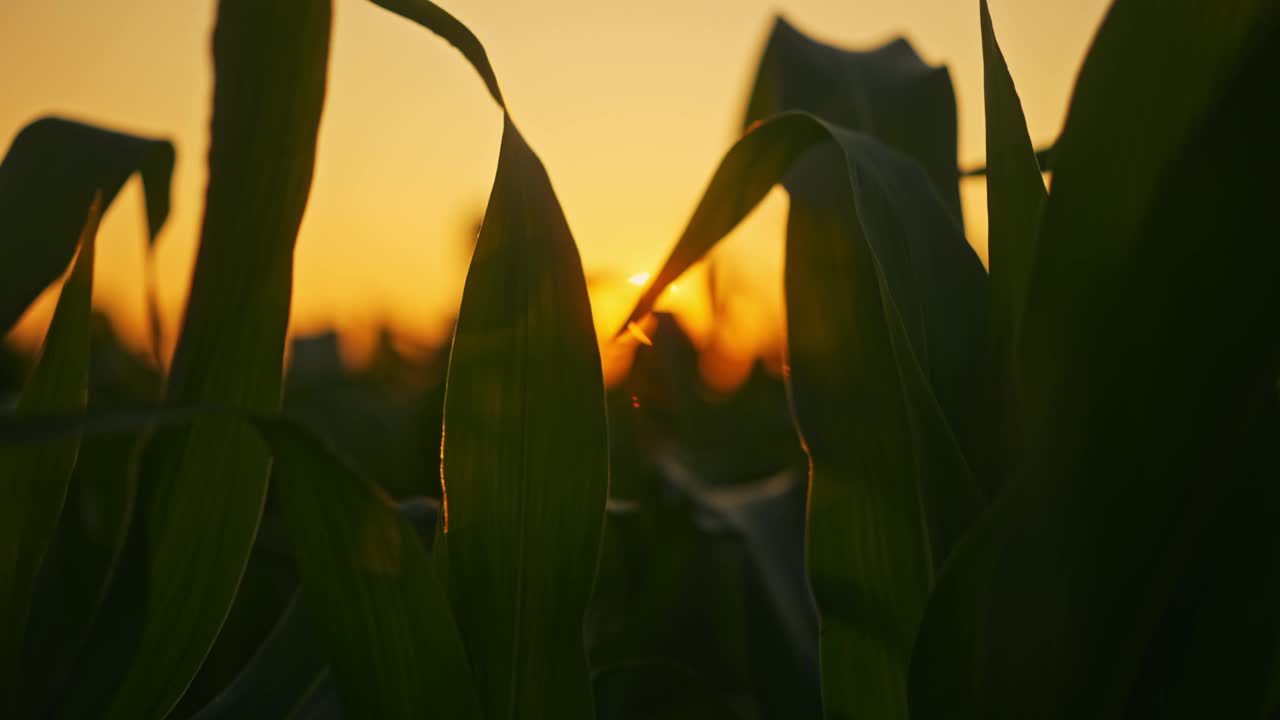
(47, 179)
(889, 93)
(35, 477)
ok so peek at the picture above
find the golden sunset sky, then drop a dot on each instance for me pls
(630, 106)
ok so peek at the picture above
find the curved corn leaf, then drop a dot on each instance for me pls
(890, 490)
(50, 174)
(204, 486)
(368, 585)
(291, 664)
(525, 452)
(35, 477)
(1149, 327)
(280, 677)
(889, 93)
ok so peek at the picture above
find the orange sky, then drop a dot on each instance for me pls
(630, 106)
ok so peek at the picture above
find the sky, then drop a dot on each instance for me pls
(629, 105)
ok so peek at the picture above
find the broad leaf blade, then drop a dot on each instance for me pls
(526, 462)
(206, 484)
(1149, 326)
(890, 490)
(36, 476)
(50, 174)
(889, 93)
(394, 649)
(525, 450)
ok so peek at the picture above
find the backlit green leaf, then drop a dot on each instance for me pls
(204, 486)
(525, 449)
(875, 265)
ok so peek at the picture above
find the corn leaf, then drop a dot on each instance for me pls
(657, 689)
(83, 558)
(280, 677)
(889, 93)
(1148, 331)
(525, 449)
(36, 476)
(369, 588)
(50, 174)
(204, 486)
(890, 490)
(1015, 189)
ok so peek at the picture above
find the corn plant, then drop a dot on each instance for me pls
(1046, 490)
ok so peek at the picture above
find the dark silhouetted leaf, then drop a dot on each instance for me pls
(204, 486)
(35, 477)
(1148, 330)
(1015, 193)
(47, 179)
(889, 93)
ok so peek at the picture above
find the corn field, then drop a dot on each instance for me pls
(1047, 486)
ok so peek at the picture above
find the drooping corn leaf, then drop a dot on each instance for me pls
(889, 93)
(1149, 327)
(204, 486)
(525, 449)
(890, 491)
(35, 477)
(50, 174)
(369, 587)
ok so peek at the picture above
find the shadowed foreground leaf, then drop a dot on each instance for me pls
(280, 677)
(657, 689)
(34, 479)
(203, 487)
(525, 456)
(1146, 356)
(369, 587)
(890, 489)
(47, 179)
